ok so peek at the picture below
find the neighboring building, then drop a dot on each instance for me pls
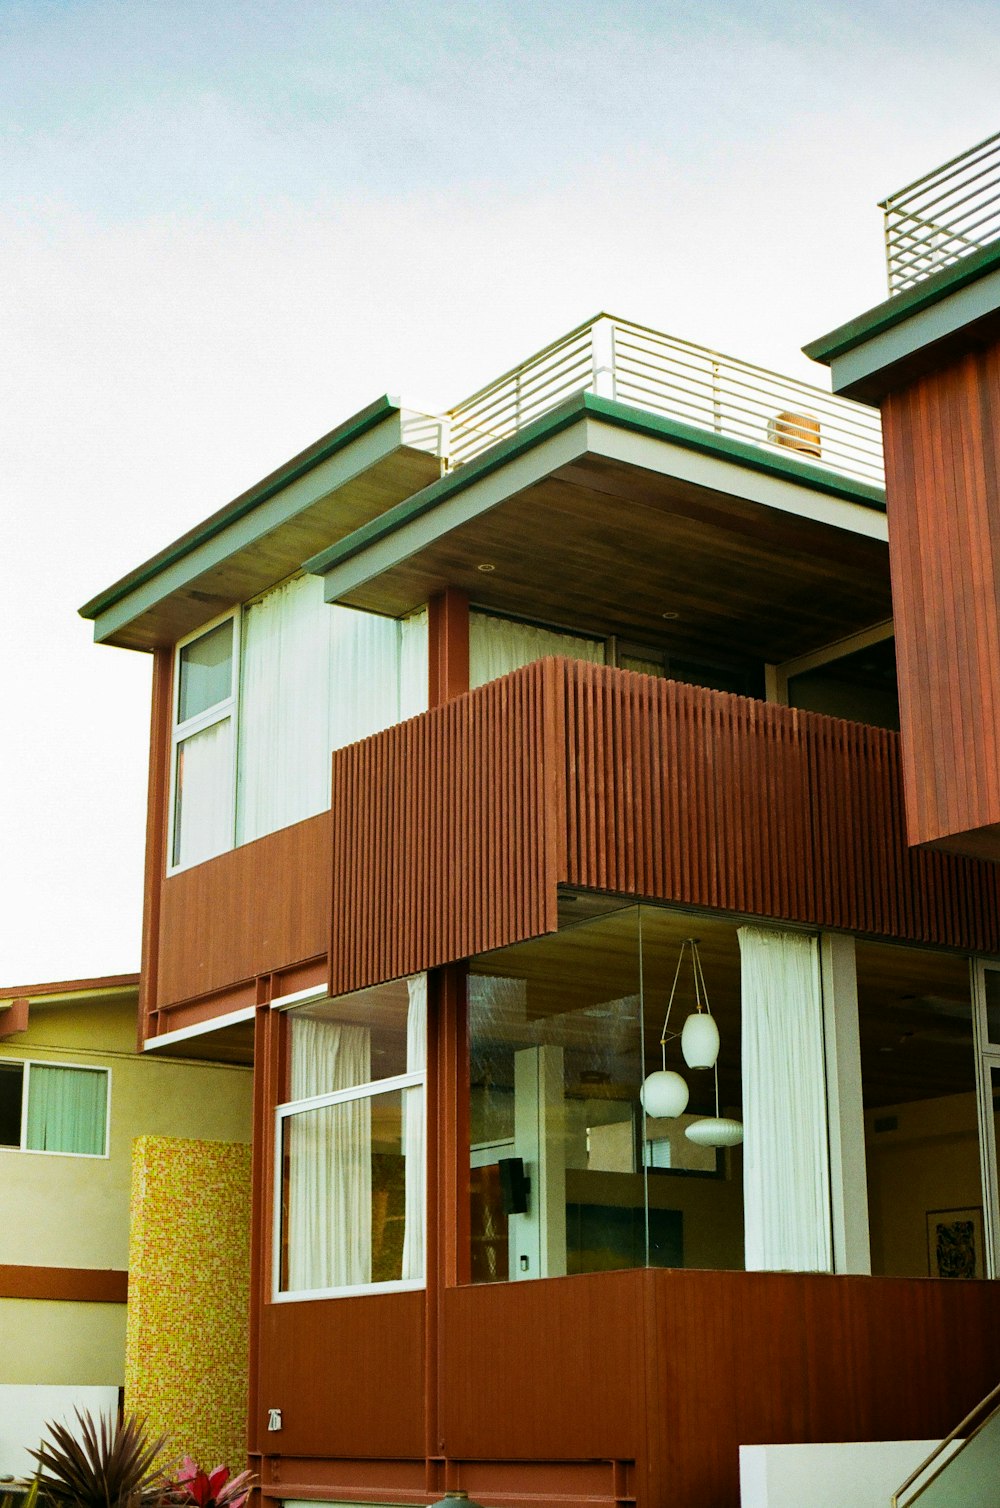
(461, 726)
(74, 1096)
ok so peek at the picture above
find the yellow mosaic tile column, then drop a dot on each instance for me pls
(189, 1295)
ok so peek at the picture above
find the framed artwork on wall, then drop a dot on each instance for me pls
(955, 1243)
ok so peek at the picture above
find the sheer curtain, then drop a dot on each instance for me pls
(786, 1174)
(67, 1109)
(414, 1140)
(499, 645)
(314, 678)
(330, 1164)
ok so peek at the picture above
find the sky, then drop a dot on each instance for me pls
(226, 227)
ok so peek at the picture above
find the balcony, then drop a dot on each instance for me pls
(458, 831)
(943, 216)
(628, 363)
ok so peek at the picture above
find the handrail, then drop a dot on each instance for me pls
(617, 359)
(964, 1433)
(943, 216)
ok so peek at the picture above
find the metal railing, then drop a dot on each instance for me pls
(964, 1468)
(632, 364)
(943, 216)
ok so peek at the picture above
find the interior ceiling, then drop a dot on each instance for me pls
(916, 1031)
(610, 548)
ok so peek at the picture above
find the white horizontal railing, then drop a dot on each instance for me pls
(943, 216)
(632, 364)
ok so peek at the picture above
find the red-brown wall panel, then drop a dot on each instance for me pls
(451, 833)
(255, 909)
(942, 441)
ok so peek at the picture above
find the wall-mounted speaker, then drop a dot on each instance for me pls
(515, 1186)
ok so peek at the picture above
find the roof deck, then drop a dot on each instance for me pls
(946, 215)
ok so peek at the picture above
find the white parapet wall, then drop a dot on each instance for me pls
(855, 1474)
(25, 1410)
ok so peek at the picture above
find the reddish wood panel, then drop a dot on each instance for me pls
(347, 1375)
(156, 832)
(544, 1371)
(257, 909)
(82, 1285)
(451, 832)
(942, 443)
(678, 793)
(445, 838)
(758, 1358)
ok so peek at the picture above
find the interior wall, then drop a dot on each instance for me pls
(928, 1160)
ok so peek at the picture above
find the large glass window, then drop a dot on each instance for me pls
(54, 1107)
(264, 697)
(351, 1148)
(918, 1071)
(568, 1174)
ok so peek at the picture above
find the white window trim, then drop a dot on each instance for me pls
(228, 709)
(27, 1064)
(284, 1112)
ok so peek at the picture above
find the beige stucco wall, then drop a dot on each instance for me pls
(59, 1211)
(44, 1341)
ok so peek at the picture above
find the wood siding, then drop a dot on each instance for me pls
(942, 445)
(254, 910)
(540, 1382)
(451, 832)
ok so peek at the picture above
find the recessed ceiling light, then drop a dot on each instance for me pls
(671, 615)
(486, 566)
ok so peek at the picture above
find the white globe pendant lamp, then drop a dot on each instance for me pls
(664, 1094)
(700, 1040)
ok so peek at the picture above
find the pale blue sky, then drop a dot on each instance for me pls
(223, 227)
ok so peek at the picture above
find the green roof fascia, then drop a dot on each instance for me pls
(321, 450)
(902, 306)
(623, 415)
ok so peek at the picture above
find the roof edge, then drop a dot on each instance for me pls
(70, 987)
(580, 405)
(901, 306)
(320, 450)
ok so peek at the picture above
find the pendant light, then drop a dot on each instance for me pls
(664, 1093)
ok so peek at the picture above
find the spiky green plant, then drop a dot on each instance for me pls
(103, 1463)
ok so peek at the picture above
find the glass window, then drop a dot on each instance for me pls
(918, 1073)
(351, 1145)
(202, 805)
(205, 671)
(991, 989)
(67, 1108)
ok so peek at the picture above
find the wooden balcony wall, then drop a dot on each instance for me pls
(451, 832)
(550, 1387)
(942, 451)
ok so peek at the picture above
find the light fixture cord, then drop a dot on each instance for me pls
(670, 1003)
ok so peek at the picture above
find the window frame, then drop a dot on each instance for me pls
(290, 1108)
(26, 1065)
(219, 712)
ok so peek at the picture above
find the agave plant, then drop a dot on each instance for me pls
(102, 1464)
(195, 1488)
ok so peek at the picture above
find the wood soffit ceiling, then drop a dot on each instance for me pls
(260, 564)
(609, 548)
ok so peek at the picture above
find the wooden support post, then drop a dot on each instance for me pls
(156, 837)
(448, 646)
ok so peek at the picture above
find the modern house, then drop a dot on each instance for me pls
(464, 726)
(74, 1099)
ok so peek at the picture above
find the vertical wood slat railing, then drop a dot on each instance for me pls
(452, 832)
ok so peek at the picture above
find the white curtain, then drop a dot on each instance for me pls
(414, 1141)
(786, 1173)
(314, 678)
(67, 1109)
(499, 645)
(203, 799)
(330, 1161)
(413, 665)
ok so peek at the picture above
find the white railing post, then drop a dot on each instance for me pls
(602, 350)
